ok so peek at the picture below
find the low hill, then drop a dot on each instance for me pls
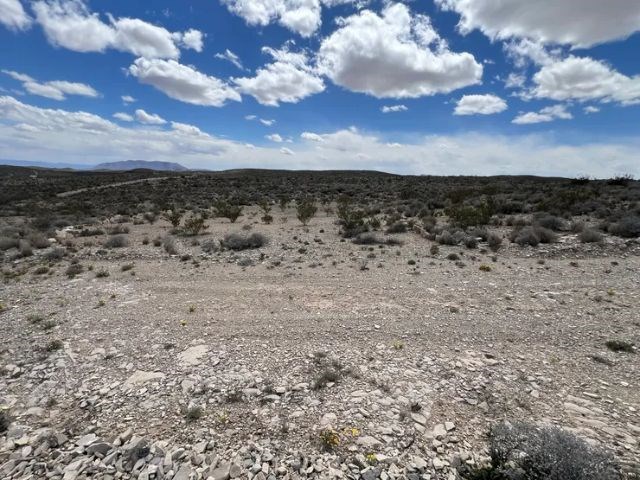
(141, 164)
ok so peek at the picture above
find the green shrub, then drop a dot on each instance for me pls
(226, 209)
(237, 241)
(527, 452)
(194, 225)
(588, 235)
(305, 210)
(116, 241)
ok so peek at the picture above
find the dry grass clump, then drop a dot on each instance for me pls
(116, 241)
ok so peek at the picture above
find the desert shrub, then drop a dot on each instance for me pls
(627, 227)
(127, 266)
(194, 225)
(90, 232)
(620, 180)
(551, 222)
(434, 249)
(545, 235)
(116, 241)
(495, 241)
(56, 253)
(588, 235)
(470, 242)
(373, 239)
(41, 270)
(157, 242)
(469, 216)
(305, 210)
(210, 245)
(527, 452)
(237, 241)
(6, 243)
(227, 209)
(54, 345)
(73, 270)
(533, 236)
(102, 273)
(118, 229)
(169, 245)
(352, 220)
(24, 247)
(397, 227)
(449, 238)
(150, 217)
(5, 421)
(39, 241)
(619, 346)
(174, 217)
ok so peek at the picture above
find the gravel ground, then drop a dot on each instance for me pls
(312, 356)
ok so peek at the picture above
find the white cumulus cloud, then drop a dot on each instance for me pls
(393, 108)
(124, 117)
(229, 56)
(13, 16)
(580, 23)
(182, 82)
(149, 118)
(584, 79)
(289, 78)
(301, 16)
(547, 114)
(480, 105)
(394, 55)
(54, 89)
(274, 138)
(70, 24)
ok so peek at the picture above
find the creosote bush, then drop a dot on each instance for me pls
(238, 241)
(588, 235)
(169, 245)
(227, 209)
(116, 241)
(305, 210)
(523, 451)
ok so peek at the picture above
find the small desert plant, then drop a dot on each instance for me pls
(226, 209)
(118, 230)
(127, 266)
(527, 452)
(329, 439)
(397, 227)
(485, 268)
(589, 235)
(533, 236)
(54, 345)
(194, 225)
(174, 217)
(305, 210)
(169, 245)
(194, 413)
(24, 247)
(210, 245)
(116, 241)
(434, 249)
(5, 421)
(73, 270)
(102, 273)
(54, 254)
(237, 241)
(627, 227)
(495, 241)
(619, 346)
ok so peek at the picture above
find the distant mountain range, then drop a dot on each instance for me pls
(136, 164)
(123, 165)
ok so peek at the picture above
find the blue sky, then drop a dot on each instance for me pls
(436, 87)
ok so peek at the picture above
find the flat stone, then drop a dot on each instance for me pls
(87, 440)
(328, 419)
(139, 377)
(235, 470)
(419, 418)
(368, 441)
(193, 355)
(222, 472)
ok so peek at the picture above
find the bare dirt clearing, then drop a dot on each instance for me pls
(238, 363)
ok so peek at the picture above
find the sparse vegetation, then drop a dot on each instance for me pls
(528, 452)
(305, 210)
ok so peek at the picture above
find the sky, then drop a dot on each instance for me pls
(437, 87)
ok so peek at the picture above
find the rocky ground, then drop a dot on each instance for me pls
(311, 357)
